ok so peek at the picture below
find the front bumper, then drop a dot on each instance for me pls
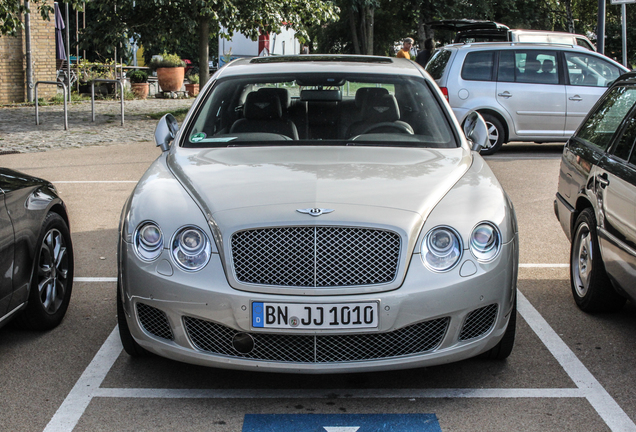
(565, 214)
(427, 317)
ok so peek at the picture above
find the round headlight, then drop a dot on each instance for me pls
(191, 249)
(485, 242)
(148, 241)
(441, 249)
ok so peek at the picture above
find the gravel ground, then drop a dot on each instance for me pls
(19, 133)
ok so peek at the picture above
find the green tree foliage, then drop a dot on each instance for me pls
(397, 19)
(11, 12)
(168, 25)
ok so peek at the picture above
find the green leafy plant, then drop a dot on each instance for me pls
(88, 71)
(137, 76)
(166, 61)
(193, 78)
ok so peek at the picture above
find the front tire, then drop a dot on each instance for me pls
(496, 134)
(591, 287)
(503, 349)
(130, 344)
(52, 278)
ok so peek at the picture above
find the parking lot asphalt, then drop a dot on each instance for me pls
(568, 371)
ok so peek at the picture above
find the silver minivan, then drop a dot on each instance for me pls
(525, 91)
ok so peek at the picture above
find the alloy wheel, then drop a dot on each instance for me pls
(52, 272)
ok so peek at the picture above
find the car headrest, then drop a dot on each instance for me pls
(363, 94)
(547, 66)
(281, 93)
(262, 106)
(532, 66)
(381, 108)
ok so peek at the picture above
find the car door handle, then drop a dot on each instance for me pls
(576, 98)
(505, 94)
(602, 180)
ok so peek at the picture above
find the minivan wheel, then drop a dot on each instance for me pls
(591, 287)
(496, 134)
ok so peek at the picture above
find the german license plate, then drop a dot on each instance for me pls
(315, 316)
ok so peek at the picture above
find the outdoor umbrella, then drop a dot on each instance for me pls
(60, 52)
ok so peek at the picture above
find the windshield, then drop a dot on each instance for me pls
(314, 109)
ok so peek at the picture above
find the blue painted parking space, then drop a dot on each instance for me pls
(341, 423)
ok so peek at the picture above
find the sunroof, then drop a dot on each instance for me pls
(321, 58)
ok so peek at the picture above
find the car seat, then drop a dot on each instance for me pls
(262, 112)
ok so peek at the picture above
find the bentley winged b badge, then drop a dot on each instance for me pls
(315, 211)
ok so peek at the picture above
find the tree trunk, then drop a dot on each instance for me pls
(569, 16)
(370, 13)
(363, 30)
(204, 46)
(354, 31)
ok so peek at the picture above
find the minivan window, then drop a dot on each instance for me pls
(478, 66)
(531, 66)
(536, 66)
(601, 126)
(589, 70)
(438, 63)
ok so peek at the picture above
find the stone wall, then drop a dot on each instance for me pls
(13, 60)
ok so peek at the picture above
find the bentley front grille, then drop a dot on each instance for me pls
(479, 322)
(154, 321)
(415, 339)
(315, 256)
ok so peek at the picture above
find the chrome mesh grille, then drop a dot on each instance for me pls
(154, 321)
(479, 322)
(415, 339)
(315, 256)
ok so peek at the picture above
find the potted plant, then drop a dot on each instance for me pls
(193, 85)
(89, 71)
(139, 83)
(170, 71)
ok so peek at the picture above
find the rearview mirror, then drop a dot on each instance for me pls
(476, 131)
(165, 131)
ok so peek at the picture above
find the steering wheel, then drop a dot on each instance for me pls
(400, 127)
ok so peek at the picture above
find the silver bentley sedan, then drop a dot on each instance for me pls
(319, 214)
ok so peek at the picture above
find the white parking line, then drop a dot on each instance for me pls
(88, 385)
(328, 393)
(95, 279)
(94, 181)
(69, 413)
(597, 396)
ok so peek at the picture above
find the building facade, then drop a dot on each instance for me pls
(13, 60)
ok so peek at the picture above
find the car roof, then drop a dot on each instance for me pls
(319, 63)
(626, 78)
(512, 45)
(466, 24)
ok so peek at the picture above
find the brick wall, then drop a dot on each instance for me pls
(13, 60)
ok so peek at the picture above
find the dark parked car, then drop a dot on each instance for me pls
(596, 201)
(36, 254)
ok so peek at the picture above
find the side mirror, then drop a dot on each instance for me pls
(165, 131)
(476, 131)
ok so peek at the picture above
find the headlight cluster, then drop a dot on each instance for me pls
(190, 247)
(442, 246)
(148, 241)
(485, 242)
(441, 249)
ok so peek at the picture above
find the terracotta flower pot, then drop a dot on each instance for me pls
(140, 89)
(193, 89)
(170, 79)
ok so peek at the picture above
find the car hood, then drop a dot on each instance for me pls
(386, 188)
(246, 179)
